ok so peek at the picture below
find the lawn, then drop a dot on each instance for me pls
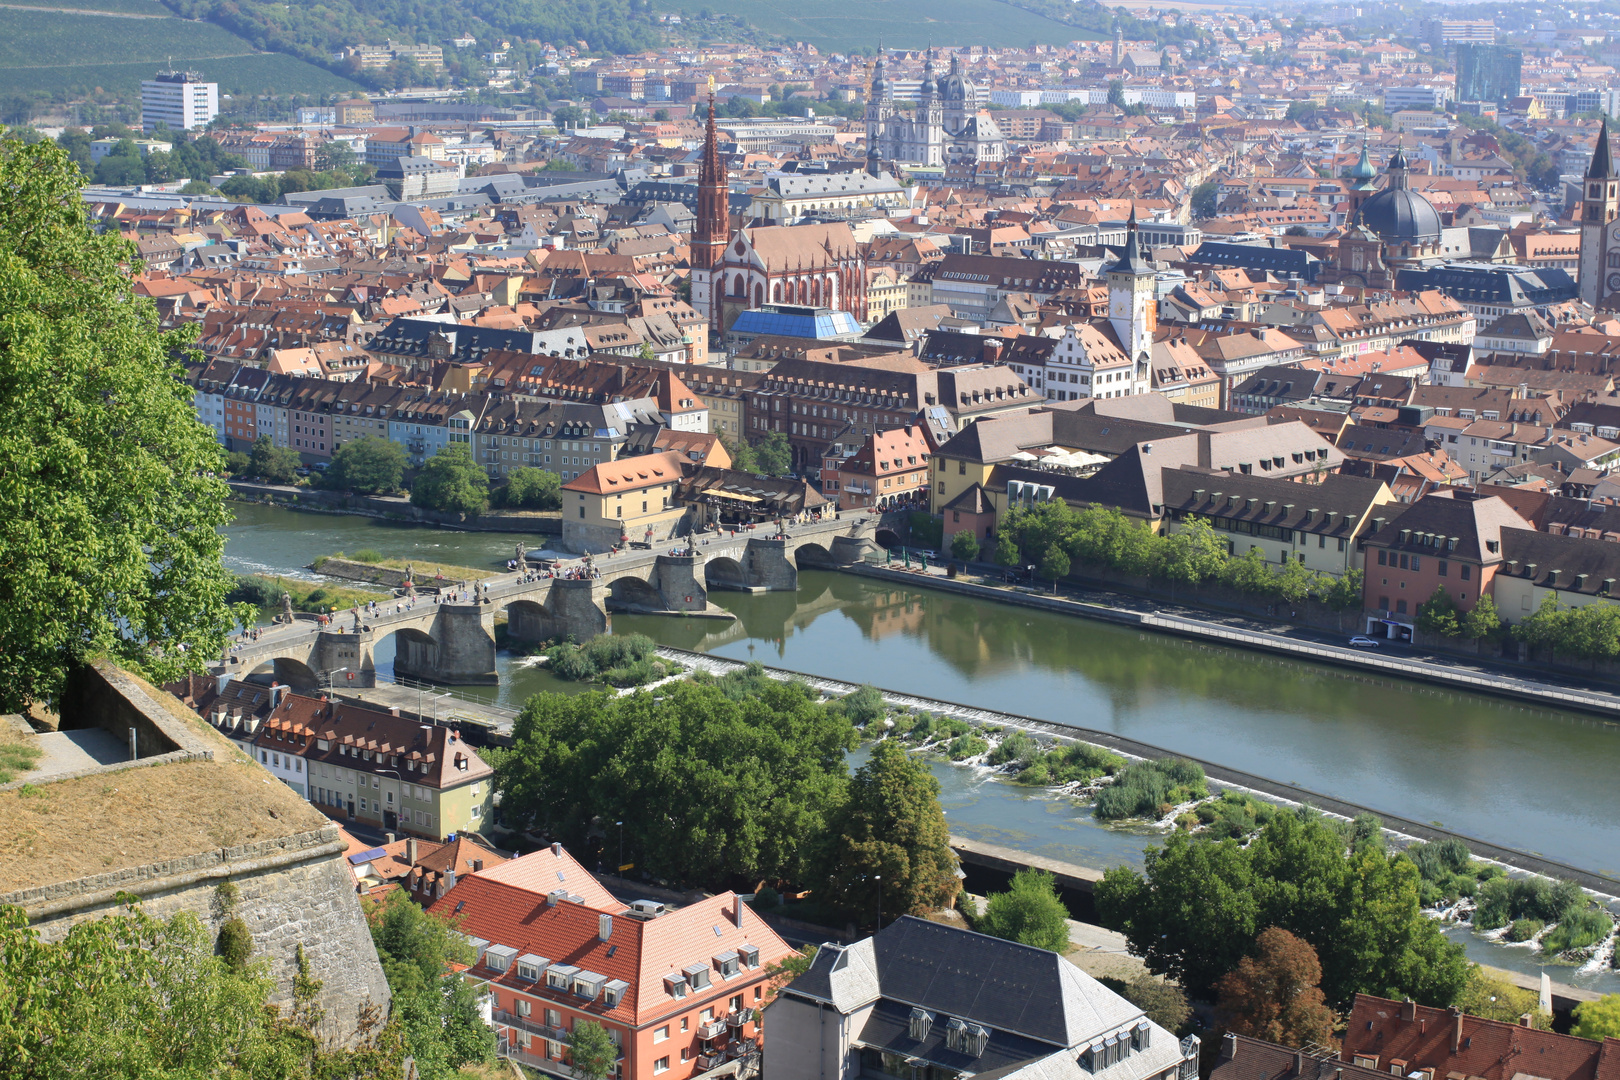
(844, 25)
(133, 7)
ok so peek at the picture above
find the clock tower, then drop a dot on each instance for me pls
(1600, 238)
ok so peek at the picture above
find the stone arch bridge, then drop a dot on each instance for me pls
(454, 643)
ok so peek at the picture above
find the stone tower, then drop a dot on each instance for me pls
(712, 229)
(1600, 244)
(1133, 307)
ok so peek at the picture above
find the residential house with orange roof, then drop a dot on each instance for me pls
(678, 990)
(890, 469)
(631, 499)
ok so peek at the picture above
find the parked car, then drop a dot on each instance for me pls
(1361, 642)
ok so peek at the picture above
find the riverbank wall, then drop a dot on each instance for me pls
(1223, 775)
(1594, 701)
(389, 508)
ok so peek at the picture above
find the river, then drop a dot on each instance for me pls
(1541, 780)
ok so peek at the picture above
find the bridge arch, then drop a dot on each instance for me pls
(813, 556)
(287, 670)
(629, 593)
(721, 572)
(416, 653)
(887, 538)
(529, 620)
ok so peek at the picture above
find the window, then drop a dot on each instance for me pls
(661, 1066)
(553, 1018)
(1465, 571)
(685, 1022)
(523, 1007)
(1441, 568)
(661, 1034)
(1400, 607)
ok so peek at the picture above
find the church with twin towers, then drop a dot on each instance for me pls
(946, 127)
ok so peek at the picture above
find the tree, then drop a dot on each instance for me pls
(1497, 999)
(1438, 614)
(1164, 1003)
(275, 464)
(369, 465)
(1483, 621)
(1029, 912)
(569, 116)
(199, 187)
(1204, 199)
(1116, 92)
(590, 1050)
(1007, 553)
(436, 1006)
(452, 482)
(965, 546)
(532, 489)
(1195, 911)
(1299, 110)
(248, 189)
(742, 454)
(774, 454)
(742, 785)
(787, 969)
(1275, 995)
(888, 842)
(1598, 1019)
(130, 995)
(335, 156)
(1054, 565)
(112, 501)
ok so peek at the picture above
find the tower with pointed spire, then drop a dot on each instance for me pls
(1133, 306)
(1600, 239)
(712, 229)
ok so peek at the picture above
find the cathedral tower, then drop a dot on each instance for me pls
(1600, 244)
(1133, 307)
(712, 229)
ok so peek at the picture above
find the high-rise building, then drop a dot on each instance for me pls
(179, 99)
(1600, 238)
(1488, 72)
(712, 228)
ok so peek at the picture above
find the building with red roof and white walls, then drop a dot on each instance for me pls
(678, 989)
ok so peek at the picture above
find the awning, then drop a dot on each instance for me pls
(730, 495)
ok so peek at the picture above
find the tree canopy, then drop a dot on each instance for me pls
(1030, 912)
(1598, 1019)
(436, 1007)
(276, 464)
(1275, 994)
(370, 465)
(111, 503)
(707, 786)
(890, 836)
(773, 456)
(1200, 904)
(452, 482)
(591, 1050)
(128, 995)
(532, 489)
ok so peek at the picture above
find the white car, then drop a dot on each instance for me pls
(1360, 642)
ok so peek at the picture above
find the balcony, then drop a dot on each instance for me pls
(712, 1030)
(705, 1062)
(532, 1026)
(739, 1018)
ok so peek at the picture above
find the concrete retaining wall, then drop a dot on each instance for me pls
(319, 500)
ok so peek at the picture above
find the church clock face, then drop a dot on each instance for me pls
(1614, 282)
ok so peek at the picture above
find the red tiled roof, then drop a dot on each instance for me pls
(1449, 1042)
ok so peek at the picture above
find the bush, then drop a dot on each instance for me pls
(965, 746)
(1141, 789)
(864, 706)
(1504, 899)
(1070, 764)
(1235, 814)
(766, 899)
(530, 489)
(1578, 928)
(367, 555)
(615, 659)
(1524, 929)
(254, 589)
(1017, 747)
(235, 943)
(237, 463)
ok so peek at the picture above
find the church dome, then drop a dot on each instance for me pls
(1401, 216)
(929, 86)
(954, 86)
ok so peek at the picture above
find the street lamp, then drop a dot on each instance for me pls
(879, 878)
(328, 675)
(620, 824)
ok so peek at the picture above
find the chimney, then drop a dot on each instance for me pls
(1456, 1029)
(1228, 1046)
(410, 850)
(449, 880)
(556, 850)
(1408, 1010)
(388, 837)
(737, 910)
(1526, 1020)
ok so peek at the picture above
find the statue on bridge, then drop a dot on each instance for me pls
(520, 559)
(356, 612)
(286, 608)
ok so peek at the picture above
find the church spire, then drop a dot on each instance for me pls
(711, 230)
(1602, 167)
(1132, 262)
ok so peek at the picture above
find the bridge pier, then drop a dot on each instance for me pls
(571, 609)
(848, 550)
(675, 578)
(334, 652)
(463, 646)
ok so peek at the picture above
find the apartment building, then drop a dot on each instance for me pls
(677, 990)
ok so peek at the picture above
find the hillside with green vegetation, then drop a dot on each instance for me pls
(858, 25)
(63, 55)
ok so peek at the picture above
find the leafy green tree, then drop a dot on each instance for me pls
(452, 482)
(532, 489)
(1007, 553)
(369, 465)
(890, 836)
(238, 463)
(1191, 554)
(109, 515)
(1483, 621)
(787, 969)
(1029, 912)
(1054, 565)
(1164, 1003)
(1204, 196)
(335, 155)
(570, 116)
(1342, 593)
(249, 189)
(774, 454)
(741, 785)
(743, 458)
(1497, 999)
(130, 995)
(121, 170)
(75, 142)
(199, 187)
(276, 464)
(965, 546)
(864, 706)
(1200, 903)
(591, 1050)
(1598, 1019)
(437, 1008)
(1275, 994)
(1438, 614)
